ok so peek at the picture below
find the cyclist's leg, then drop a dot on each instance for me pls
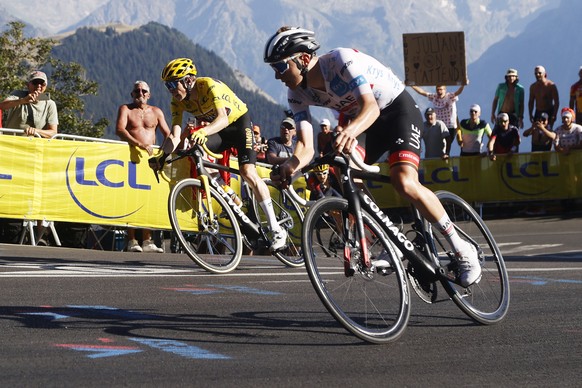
(240, 135)
(403, 143)
(261, 191)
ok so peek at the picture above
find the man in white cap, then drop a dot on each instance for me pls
(32, 110)
(568, 136)
(281, 148)
(470, 135)
(509, 98)
(543, 95)
(576, 98)
(504, 139)
(324, 137)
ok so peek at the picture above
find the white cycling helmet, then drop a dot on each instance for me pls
(288, 41)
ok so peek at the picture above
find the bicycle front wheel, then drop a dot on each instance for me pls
(487, 300)
(210, 235)
(290, 217)
(372, 303)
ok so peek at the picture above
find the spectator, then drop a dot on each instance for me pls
(136, 124)
(324, 137)
(567, 136)
(229, 126)
(471, 131)
(543, 95)
(32, 110)
(539, 140)
(435, 135)
(509, 98)
(321, 183)
(445, 106)
(576, 98)
(504, 138)
(281, 148)
(260, 144)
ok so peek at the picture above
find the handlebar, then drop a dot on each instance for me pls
(157, 163)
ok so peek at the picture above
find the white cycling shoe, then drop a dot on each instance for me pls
(469, 266)
(279, 240)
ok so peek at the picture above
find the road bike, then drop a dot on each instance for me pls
(364, 281)
(212, 223)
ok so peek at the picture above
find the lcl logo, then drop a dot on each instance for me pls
(79, 177)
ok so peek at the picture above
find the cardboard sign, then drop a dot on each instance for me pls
(435, 58)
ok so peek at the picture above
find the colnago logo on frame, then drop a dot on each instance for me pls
(389, 224)
(108, 176)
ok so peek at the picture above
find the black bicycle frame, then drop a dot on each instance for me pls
(358, 200)
(249, 227)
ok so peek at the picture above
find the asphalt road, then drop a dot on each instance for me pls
(89, 318)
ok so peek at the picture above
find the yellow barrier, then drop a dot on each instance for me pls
(87, 182)
(521, 177)
(111, 184)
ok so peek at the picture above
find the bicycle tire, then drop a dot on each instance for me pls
(486, 301)
(373, 304)
(290, 216)
(214, 244)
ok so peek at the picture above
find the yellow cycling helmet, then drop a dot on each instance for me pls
(178, 68)
(321, 168)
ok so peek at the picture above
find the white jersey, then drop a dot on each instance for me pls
(569, 138)
(348, 74)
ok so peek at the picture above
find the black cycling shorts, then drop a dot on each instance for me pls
(396, 130)
(238, 135)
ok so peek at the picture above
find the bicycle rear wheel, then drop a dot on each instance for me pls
(211, 240)
(290, 216)
(487, 300)
(372, 303)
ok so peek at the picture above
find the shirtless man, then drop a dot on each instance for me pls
(509, 98)
(136, 124)
(544, 94)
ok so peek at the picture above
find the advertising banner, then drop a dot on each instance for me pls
(112, 184)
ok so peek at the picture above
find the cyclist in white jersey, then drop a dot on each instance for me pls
(371, 99)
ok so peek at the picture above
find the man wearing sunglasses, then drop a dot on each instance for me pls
(209, 99)
(32, 109)
(136, 124)
(371, 99)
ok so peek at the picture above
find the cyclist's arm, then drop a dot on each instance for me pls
(219, 123)
(369, 112)
(304, 149)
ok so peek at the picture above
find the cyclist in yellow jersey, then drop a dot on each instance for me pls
(210, 100)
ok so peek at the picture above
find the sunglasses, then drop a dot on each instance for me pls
(282, 66)
(322, 173)
(140, 91)
(172, 85)
(37, 82)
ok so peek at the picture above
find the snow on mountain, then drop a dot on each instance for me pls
(237, 29)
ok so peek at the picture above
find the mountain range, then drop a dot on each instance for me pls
(499, 34)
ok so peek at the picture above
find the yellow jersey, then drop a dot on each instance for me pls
(212, 94)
